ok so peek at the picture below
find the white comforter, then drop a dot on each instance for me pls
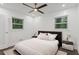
(36, 46)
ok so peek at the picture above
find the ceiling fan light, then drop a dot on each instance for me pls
(35, 9)
(63, 5)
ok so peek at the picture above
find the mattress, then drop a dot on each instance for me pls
(36, 46)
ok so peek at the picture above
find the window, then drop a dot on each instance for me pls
(61, 22)
(17, 23)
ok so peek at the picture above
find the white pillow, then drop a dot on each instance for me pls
(51, 36)
(43, 36)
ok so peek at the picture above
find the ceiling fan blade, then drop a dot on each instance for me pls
(27, 5)
(40, 11)
(42, 6)
(31, 11)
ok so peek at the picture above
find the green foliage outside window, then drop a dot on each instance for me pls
(17, 23)
(61, 22)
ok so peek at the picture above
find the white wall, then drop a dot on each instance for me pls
(77, 30)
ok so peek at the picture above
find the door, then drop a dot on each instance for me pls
(2, 24)
(4, 33)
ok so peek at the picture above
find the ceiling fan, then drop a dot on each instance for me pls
(36, 8)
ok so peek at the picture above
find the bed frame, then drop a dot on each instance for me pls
(59, 36)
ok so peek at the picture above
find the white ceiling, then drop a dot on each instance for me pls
(52, 7)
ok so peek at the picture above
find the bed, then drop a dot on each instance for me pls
(59, 36)
(37, 46)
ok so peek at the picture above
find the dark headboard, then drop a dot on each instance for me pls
(59, 36)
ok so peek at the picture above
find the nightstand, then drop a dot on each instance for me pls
(34, 36)
(68, 45)
(67, 42)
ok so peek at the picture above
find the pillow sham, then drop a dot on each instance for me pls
(52, 36)
(43, 36)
